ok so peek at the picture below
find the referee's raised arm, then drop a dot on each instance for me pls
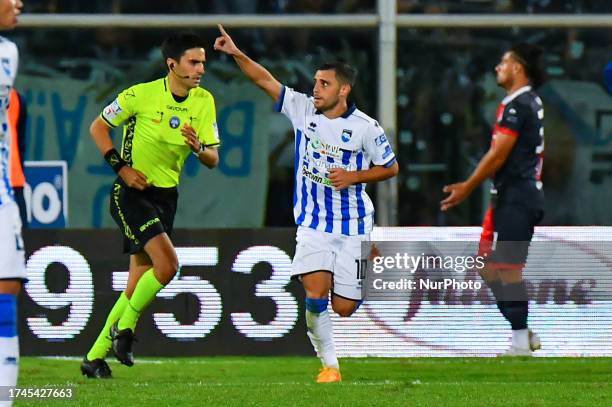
(254, 71)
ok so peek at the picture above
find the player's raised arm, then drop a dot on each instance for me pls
(254, 71)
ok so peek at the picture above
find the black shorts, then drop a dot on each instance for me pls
(142, 215)
(510, 221)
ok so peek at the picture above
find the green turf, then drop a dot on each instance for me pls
(263, 381)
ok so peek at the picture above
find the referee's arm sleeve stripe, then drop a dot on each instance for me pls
(211, 145)
(112, 126)
(278, 106)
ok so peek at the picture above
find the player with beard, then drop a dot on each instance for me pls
(338, 149)
(514, 161)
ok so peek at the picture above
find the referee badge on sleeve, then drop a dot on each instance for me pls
(112, 111)
(216, 131)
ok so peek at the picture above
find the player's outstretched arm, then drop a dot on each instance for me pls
(100, 133)
(254, 71)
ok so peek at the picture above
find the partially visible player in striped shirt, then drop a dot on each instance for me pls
(12, 255)
(338, 149)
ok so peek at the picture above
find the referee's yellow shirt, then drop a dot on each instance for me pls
(152, 140)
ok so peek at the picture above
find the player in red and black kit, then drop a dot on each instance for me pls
(514, 160)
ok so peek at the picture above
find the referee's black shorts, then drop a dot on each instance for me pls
(142, 215)
(510, 222)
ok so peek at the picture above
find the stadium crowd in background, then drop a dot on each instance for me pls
(317, 6)
(446, 95)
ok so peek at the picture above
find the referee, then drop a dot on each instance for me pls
(514, 160)
(164, 121)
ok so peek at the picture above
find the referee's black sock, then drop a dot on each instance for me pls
(497, 290)
(517, 305)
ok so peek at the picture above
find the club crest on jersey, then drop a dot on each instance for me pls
(346, 135)
(174, 122)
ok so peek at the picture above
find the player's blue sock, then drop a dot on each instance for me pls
(320, 330)
(517, 306)
(9, 343)
(316, 305)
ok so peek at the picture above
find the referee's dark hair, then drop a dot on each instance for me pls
(175, 45)
(532, 58)
(345, 73)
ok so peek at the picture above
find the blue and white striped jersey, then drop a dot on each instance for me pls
(9, 60)
(352, 142)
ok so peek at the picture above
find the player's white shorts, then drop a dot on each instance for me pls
(316, 250)
(12, 255)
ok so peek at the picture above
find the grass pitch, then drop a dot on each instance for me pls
(280, 381)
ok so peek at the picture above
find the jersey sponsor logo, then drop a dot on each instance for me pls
(176, 108)
(346, 135)
(317, 178)
(113, 110)
(322, 148)
(323, 165)
(174, 122)
(312, 126)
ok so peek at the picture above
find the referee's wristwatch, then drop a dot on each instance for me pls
(200, 151)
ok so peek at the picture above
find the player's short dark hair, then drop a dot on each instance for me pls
(532, 58)
(345, 73)
(175, 45)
